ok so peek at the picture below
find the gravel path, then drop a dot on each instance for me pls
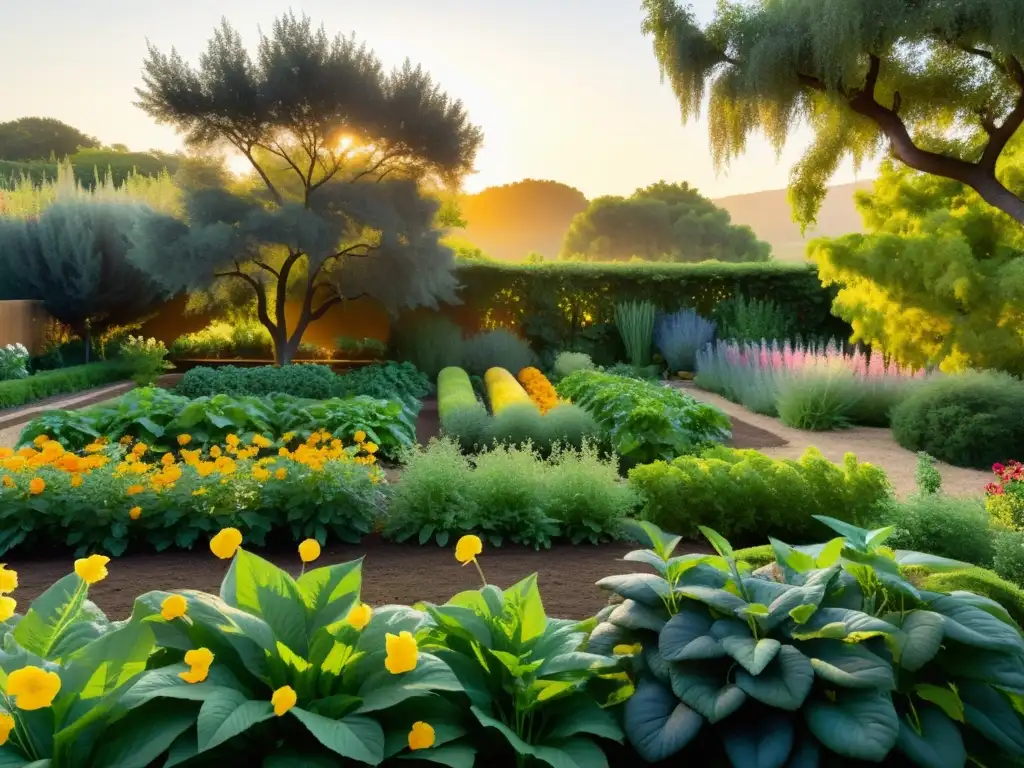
(872, 445)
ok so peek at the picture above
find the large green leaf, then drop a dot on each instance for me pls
(330, 592)
(923, 632)
(849, 665)
(456, 755)
(573, 663)
(794, 559)
(227, 714)
(1002, 669)
(719, 599)
(51, 615)
(764, 742)
(259, 587)
(991, 713)
(853, 623)
(382, 690)
(606, 636)
(751, 654)
(971, 625)
(939, 745)
(687, 636)
(144, 735)
(647, 557)
(580, 714)
(166, 683)
(652, 536)
(857, 537)
(784, 683)
(357, 738)
(645, 588)
(779, 610)
(571, 753)
(462, 622)
(633, 615)
(859, 724)
(705, 688)
(524, 597)
(933, 563)
(657, 724)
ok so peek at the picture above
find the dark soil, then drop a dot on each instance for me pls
(392, 573)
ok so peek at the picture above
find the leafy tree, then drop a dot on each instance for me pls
(662, 222)
(941, 82)
(77, 258)
(940, 278)
(38, 138)
(339, 149)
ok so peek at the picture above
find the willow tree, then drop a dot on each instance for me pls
(938, 82)
(340, 150)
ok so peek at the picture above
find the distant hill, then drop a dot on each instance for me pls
(769, 215)
(509, 221)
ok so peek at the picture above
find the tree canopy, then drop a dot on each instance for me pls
(341, 152)
(940, 278)
(662, 222)
(39, 138)
(940, 82)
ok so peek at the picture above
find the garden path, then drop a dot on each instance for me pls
(870, 444)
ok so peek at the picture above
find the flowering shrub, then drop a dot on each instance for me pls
(13, 362)
(1005, 497)
(147, 357)
(121, 495)
(538, 388)
(503, 390)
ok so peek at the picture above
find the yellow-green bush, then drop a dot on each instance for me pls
(503, 390)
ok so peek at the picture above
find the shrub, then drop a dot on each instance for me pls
(680, 336)
(948, 526)
(747, 494)
(455, 392)
(585, 495)
(638, 372)
(146, 357)
(508, 487)
(61, 382)
(742, 319)
(976, 580)
(644, 421)
(499, 348)
(384, 381)
(635, 321)
(13, 362)
(571, 426)
(801, 659)
(1004, 498)
(463, 417)
(973, 419)
(316, 382)
(237, 340)
(431, 342)
(518, 424)
(926, 476)
(819, 399)
(365, 347)
(503, 391)
(1008, 556)
(538, 388)
(315, 489)
(567, 363)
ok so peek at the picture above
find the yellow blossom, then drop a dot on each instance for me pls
(283, 699)
(32, 687)
(627, 650)
(7, 607)
(205, 468)
(199, 492)
(135, 513)
(94, 447)
(184, 440)
(140, 449)
(261, 441)
(6, 453)
(173, 607)
(133, 490)
(131, 458)
(309, 550)
(371, 448)
(283, 452)
(76, 481)
(359, 616)
(139, 468)
(215, 452)
(14, 463)
(232, 440)
(6, 726)
(467, 548)
(225, 465)
(199, 661)
(402, 653)
(287, 437)
(260, 474)
(421, 736)
(8, 579)
(92, 568)
(126, 440)
(191, 457)
(8, 483)
(167, 459)
(36, 486)
(281, 474)
(40, 441)
(226, 542)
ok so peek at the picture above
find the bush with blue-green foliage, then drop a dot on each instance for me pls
(680, 336)
(830, 656)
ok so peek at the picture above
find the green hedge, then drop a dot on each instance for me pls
(571, 305)
(61, 382)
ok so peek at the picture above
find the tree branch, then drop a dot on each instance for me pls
(387, 156)
(320, 311)
(261, 295)
(267, 267)
(247, 151)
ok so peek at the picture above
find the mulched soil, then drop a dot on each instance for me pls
(392, 573)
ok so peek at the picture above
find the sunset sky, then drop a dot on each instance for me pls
(566, 90)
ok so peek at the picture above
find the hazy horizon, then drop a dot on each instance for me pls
(571, 93)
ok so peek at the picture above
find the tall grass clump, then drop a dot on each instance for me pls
(431, 342)
(742, 319)
(680, 336)
(635, 321)
(498, 348)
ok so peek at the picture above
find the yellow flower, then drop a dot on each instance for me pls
(92, 568)
(281, 474)
(6, 453)
(215, 452)
(287, 437)
(40, 441)
(260, 474)
(261, 441)
(8, 483)
(421, 736)
(199, 492)
(36, 486)
(167, 459)
(627, 650)
(199, 661)
(132, 490)
(205, 468)
(468, 548)
(140, 449)
(232, 440)
(402, 653)
(309, 550)
(359, 616)
(173, 607)
(283, 452)
(371, 448)
(359, 436)
(8, 605)
(184, 440)
(225, 465)
(191, 457)
(32, 687)
(76, 481)
(283, 700)
(135, 513)
(225, 543)
(8, 579)
(94, 447)
(6, 726)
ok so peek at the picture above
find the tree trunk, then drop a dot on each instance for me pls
(88, 340)
(284, 349)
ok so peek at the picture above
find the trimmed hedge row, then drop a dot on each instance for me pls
(61, 382)
(571, 305)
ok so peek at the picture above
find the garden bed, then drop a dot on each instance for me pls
(392, 573)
